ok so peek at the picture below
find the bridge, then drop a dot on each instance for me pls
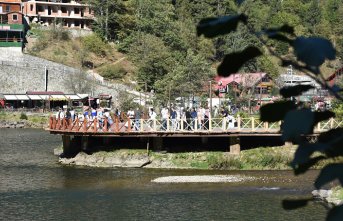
(80, 132)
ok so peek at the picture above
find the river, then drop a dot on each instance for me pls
(33, 186)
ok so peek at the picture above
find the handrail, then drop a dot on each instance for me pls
(127, 125)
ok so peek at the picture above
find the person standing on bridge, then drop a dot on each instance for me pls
(137, 119)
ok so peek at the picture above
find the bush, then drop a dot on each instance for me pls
(112, 72)
(23, 116)
(95, 44)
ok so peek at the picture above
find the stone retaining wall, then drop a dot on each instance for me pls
(20, 73)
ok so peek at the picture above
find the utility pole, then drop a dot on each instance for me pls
(210, 97)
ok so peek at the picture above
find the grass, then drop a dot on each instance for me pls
(80, 52)
(35, 119)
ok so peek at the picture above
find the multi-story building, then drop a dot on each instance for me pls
(11, 24)
(68, 13)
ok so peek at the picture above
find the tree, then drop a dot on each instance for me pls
(309, 54)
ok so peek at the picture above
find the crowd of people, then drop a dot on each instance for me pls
(174, 118)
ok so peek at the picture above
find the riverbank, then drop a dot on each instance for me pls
(23, 120)
(271, 158)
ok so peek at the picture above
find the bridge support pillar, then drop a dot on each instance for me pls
(84, 143)
(157, 143)
(71, 145)
(235, 145)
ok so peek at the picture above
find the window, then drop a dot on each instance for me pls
(15, 17)
(76, 10)
(31, 7)
(0, 9)
(64, 9)
(8, 8)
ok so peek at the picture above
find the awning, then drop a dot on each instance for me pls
(44, 97)
(58, 97)
(73, 97)
(22, 97)
(10, 97)
(82, 95)
(35, 97)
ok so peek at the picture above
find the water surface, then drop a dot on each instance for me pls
(33, 186)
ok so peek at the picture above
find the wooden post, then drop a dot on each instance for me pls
(224, 124)
(331, 123)
(210, 123)
(105, 128)
(117, 124)
(195, 124)
(318, 126)
(181, 124)
(266, 126)
(154, 124)
(128, 124)
(168, 124)
(252, 123)
(84, 125)
(141, 125)
(95, 124)
(239, 122)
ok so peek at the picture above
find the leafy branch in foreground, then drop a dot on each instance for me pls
(298, 122)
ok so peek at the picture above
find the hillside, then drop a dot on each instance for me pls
(85, 53)
(155, 42)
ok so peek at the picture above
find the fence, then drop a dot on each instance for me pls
(117, 125)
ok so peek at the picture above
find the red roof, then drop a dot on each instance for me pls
(244, 79)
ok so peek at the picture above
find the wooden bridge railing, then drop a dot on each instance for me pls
(116, 125)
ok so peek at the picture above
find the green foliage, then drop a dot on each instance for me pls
(112, 72)
(95, 44)
(23, 116)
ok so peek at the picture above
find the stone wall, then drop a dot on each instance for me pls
(20, 73)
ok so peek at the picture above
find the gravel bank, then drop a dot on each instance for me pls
(203, 179)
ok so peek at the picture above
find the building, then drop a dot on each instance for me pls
(12, 29)
(256, 84)
(41, 100)
(67, 13)
(292, 79)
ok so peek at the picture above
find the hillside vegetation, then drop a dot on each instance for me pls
(87, 53)
(159, 38)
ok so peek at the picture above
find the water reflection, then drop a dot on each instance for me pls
(34, 187)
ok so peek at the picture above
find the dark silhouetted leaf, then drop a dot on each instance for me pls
(320, 116)
(234, 61)
(313, 51)
(293, 91)
(302, 168)
(330, 135)
(295, 204)
(329, 173)
(333, 137)
(276, 111)
(212, 27)
(335, 214)
(297, 123)
(304, 152)
(280, 37)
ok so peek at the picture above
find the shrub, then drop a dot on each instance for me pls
(23, 116)
(112, 72)
(95, 44)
